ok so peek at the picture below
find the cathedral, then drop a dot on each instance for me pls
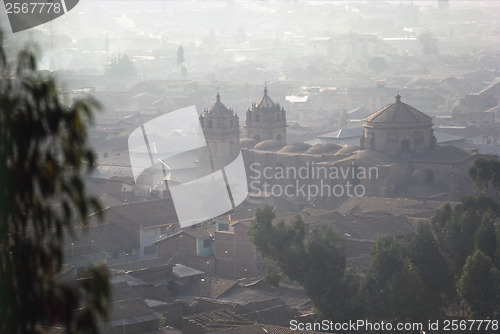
(397, 157)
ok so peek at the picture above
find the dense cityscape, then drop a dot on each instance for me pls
(367, 133)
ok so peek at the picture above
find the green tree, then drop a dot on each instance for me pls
(455, 228)
(392, 287)
(432, 269)
(272, 277)
(315, 260)
(43, 153)
(120, 67)
(479, 286)
(485, 238)
(486, 175)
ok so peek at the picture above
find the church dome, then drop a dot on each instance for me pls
(398, 129)
(324, 148)
(296, 147)
(398, 112)
(247, 143)
(269, 145)
(347, 150)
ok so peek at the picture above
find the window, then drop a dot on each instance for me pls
(207, 243)
(223, 227)
(148, 250)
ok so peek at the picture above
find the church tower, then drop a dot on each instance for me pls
(266, 120)
(222, 132)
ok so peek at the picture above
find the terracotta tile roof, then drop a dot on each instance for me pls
(493, 89)
(130, 311)
(378, 206)
(138, 265)
(154, 275)
(122, 291)
(273, 311)
(263, 329)
(446, 154)
(109, 237)
(198, 233)
(217, 320)
(294, 298)
(149, 213)
(211, 287)
(398, 112)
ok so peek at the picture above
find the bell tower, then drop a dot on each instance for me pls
(266, 120)
(221, 128)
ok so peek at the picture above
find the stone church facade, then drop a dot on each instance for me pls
(398, 147)
(397, 157)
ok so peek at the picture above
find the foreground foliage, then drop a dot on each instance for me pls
(450, 261)
(43, 153)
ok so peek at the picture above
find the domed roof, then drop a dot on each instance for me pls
(323, 148)
(269, 145)
(247, 142)
(219, 108)
(296, 147)
(265, 102)
(347, 150)
(398, 112)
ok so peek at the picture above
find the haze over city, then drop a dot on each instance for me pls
(369, 128)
